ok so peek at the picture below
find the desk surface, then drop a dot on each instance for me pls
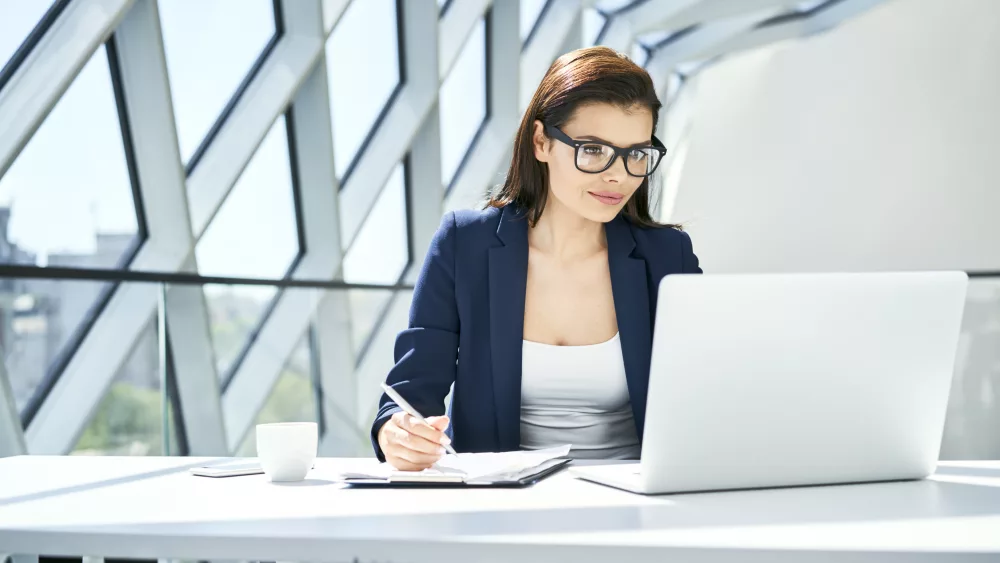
(152, 507)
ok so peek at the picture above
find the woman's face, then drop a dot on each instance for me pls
(598, 197)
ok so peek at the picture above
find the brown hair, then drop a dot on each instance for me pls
(584, 76)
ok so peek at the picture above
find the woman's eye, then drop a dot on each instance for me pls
(637, 155)
(593, 150)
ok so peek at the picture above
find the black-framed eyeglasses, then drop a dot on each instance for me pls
(594, 157)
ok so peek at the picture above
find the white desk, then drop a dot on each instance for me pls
(151, 507)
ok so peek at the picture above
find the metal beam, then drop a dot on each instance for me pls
(455, 27)
(705, 42)
(236, 142)
(194, 364)
(490, 152)
(295, 308)
(332, 10)
(150, 113)
(820, 21)
(82, 385)
(672, 16)
(622, 28)
(559, 20)
(335, 352)
(425, 192)
(375, 366)
(392, 140)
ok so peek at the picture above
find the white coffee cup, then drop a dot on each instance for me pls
(287, 450)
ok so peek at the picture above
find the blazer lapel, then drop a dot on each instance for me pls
(631, 298)
(508, 282)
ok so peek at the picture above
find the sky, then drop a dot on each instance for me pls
(71, 182)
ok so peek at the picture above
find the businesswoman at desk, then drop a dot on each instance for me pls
(539, 308)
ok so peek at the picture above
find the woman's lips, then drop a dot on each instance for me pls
(607, 198)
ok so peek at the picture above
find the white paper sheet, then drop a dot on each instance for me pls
(470, 466)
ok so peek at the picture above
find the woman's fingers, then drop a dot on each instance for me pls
(408, 440)
(425, 431)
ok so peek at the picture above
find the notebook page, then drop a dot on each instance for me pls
(469, 466)
(498, 464)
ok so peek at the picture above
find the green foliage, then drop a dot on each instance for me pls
(127, 422)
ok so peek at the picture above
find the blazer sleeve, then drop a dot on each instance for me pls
(689, 260)
(426, 352)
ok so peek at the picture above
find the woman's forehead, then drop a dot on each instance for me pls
(613, 124)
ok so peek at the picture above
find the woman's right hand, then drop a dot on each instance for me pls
(411, 445)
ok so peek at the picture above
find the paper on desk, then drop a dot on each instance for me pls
(472, 466)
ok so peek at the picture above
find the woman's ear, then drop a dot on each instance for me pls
(539, 142)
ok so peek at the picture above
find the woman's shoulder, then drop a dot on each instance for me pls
(659, 235)
(477, 220)
(466, 230)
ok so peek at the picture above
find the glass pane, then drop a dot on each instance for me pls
(292, 399)
(379, 254)
(593, 23)
(363, 71)
(808, 5)
(38, 318)
(210, 47)
(129, 420)
(639, 54)
(254, 235)
(530, 10)
(972, 427)
(17, 19)
(654, 38)
(233, 314)
(612, 6)
(463, 102)
(79, 213)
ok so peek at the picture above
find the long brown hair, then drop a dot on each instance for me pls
(584, 76)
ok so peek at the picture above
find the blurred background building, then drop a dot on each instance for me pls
(255, 142)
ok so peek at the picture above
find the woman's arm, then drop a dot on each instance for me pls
(426, 352)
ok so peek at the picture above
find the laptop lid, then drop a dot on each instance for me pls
(762, 380)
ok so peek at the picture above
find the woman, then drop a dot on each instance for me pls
(539, 308)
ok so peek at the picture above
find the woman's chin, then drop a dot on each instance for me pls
(601, 213)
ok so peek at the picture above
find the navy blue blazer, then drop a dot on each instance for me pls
(467, 319)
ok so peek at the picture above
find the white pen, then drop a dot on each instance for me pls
(395, 396)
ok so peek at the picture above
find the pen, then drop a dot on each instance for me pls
(395, 396)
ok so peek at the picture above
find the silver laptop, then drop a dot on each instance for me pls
(769, 380)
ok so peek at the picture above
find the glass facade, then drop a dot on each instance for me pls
(99, 181)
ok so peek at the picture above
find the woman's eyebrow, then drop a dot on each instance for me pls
(600, 140)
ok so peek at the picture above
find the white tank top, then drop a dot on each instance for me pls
(577, 395)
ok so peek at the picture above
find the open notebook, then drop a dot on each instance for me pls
(502, 468)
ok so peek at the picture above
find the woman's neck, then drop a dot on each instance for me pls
(564, 234)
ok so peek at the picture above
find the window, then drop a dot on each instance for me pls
(130, 419)
(463, 103)
(615, 6)
(18, 19)
(254, 235)
(80, 213)
(363, 69)
(593, 24)
(639, 54)
(379, 255)
(530, 11)
(293, 398)
(211, 46)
